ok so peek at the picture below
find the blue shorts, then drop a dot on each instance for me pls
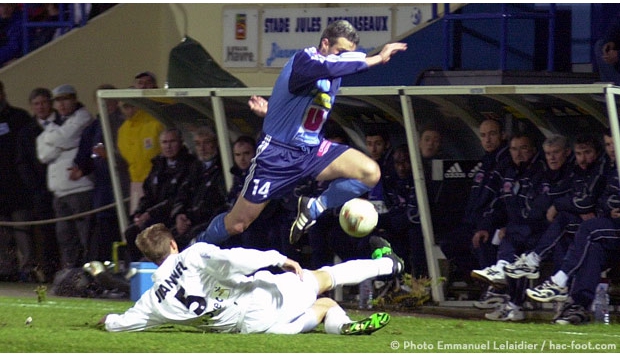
(277, 167)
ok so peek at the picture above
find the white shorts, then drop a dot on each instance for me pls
(278, 299)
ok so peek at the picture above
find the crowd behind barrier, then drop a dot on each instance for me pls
(26, 27)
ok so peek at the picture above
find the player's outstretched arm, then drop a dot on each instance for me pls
(386, 53)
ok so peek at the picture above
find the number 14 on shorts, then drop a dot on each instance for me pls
(260, 189)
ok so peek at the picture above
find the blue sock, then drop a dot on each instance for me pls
(339, 192)
(215, 232)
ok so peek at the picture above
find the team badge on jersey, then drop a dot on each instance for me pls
(478, 177)
(507, 186)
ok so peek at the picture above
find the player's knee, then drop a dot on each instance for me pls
(372, 173)
(324, 280)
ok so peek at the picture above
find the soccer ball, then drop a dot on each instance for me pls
(358, 217)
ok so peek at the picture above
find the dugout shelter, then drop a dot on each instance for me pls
(457, 109)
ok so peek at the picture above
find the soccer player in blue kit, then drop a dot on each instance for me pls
(291, 148)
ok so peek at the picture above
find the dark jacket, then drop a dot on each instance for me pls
(610, 198)
(482, 192)
(32, 172)
(204, 193)
(586, 188)
(163, 183)
(401, 201)
(521, 186)
(12, 120)
(98, 166)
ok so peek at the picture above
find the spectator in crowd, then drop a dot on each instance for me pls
(243, 153)
(285, 303)
(91, 158)
(204, 195)
(519, 215)
(116, 119)
(379, 149)
(585, 185)
(431, 148)
(404, 231)
(38, 36)
(379, 146)
(328, 235)
(259, 234)
(57, 146)
(138, 143)
(606, 53)
(288, 130)
(10, 33)
(610, 152)
(145, 80)
(556, 185)
(431, 142)
(595, 245)
(14, 206)
(458, 246)
(34, 176)
(171, 170)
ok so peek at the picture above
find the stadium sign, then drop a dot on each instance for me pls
(269, 36)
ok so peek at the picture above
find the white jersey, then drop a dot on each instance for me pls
(207, 287)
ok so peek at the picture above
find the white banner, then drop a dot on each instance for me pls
(283, 31)
(240, 38)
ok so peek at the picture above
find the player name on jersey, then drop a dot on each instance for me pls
(170, 282)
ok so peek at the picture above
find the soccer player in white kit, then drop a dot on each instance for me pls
(221, 290)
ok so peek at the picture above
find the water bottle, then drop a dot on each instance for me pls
(600, 305)
(365, 294)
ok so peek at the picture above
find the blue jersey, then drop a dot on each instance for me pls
(304, 93)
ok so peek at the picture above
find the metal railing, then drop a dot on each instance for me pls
(65, 23)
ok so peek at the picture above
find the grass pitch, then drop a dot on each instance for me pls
(70, 325)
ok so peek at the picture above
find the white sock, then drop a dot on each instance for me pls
(355, 271)
(560, 278)
(334, 319)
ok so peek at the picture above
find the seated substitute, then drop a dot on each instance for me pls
(203, 195)
(585, 185)
(594, 248)
(220, 290)
(171, 171)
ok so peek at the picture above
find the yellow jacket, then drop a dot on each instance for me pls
(138, 143)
